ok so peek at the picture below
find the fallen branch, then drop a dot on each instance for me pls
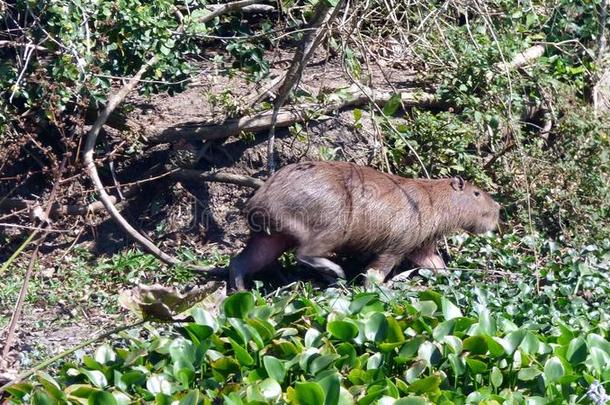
(288, 116)
(57, 210)
(246, 181)
(520, 60)
(219, 9)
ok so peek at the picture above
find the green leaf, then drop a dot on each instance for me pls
(312, 337)
(101, 398)
(343, 330)
(487, 323)
(41, 397)
(104, 354)
(425, 385)
(238, 305)
(309, 393)
(514, 339)
(392, 105)
(443, 329)
(270, 389)
(241, 354)
(395, 333)
(450, 310)
(322, 362)
(226, 366)
(275, 368)
(96, 377)
(475, 345)
(496, 377)
(331, 385)
(528, 373)
(192, 398)
(476, 366)
(577, 351)
(553, 370)
(376, 327)
(205, 318)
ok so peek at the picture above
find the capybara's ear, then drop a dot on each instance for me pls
(457, 183)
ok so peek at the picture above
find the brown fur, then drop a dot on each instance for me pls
(337, 207)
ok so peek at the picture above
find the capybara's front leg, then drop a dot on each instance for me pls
(378, 269)
(261, 250)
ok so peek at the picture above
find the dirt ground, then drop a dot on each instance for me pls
(203, 217)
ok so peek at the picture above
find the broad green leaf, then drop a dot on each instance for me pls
(331, 385)
(309, 393)
(96, 377)
(425, 385)
(477, 366)
(104, 354)
(443, 329)
(450, 310)
(530, 343)
(475, 345)
(496, 377)
(312, 337)
(487, 323)
(553, 370)
(270, 389)
(343, 330)
(430, 353)
(322, 362)
(205, 318)
(241, 354)
(238, 305)
(158, 384)
(410, 348)
(577, 351)
(528, 373)
(393, 103)
(275, 368)
(101, 398)
(376, 327)
(192, 398)
(395, 333)
(374, 362)
(41, 397)
(514, 339)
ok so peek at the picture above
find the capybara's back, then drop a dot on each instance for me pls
(338, 207)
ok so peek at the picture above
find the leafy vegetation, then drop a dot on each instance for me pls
(472, 339)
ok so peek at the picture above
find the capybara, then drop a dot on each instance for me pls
(321, 208)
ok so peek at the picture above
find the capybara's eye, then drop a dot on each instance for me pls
(477, 193)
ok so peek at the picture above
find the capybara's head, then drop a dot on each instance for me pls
(476, 211)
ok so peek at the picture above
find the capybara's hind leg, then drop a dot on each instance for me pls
(426, 257)
(261, 250)
(315, 260)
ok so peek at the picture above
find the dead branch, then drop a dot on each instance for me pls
(57, 210)
(288, 116)
(231, 178)
(107, 200)
(520, 60)
(323, 15)
(219, 9)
